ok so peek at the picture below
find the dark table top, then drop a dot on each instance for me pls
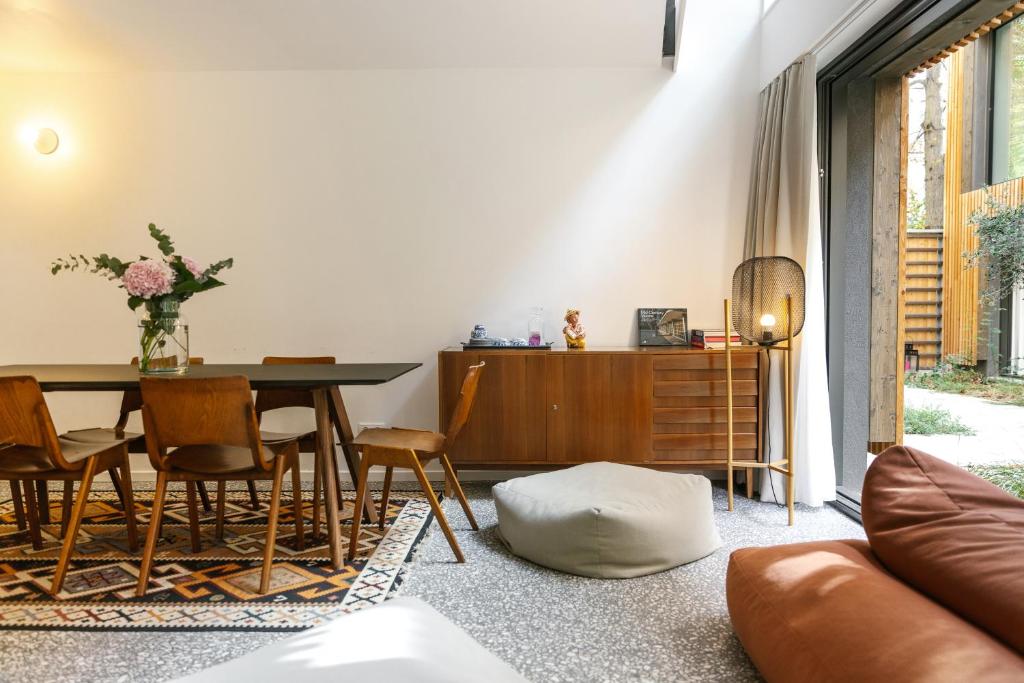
(88, 377)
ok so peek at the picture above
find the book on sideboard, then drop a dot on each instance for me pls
(711, 339)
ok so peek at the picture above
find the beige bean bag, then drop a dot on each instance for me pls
(607, 520)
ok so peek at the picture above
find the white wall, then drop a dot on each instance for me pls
(377, 215)
(792, 27)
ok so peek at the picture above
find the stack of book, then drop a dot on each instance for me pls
(711, 339)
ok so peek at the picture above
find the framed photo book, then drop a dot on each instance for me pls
(663, 327)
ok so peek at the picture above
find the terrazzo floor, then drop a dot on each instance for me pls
(552, 627)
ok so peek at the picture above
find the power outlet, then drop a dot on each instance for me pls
(372, 425)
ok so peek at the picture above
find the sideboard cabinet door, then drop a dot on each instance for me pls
(599, 407)
(507, 423)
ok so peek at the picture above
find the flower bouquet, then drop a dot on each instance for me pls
(159, 286)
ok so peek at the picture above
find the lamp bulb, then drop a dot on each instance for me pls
(46, 141)
(767, 320)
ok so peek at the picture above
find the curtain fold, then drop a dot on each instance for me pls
(783, 219)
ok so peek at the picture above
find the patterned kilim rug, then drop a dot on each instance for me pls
(214, 589)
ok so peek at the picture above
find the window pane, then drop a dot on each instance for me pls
(1008, 103)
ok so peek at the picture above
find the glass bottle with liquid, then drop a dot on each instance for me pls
(536, 326)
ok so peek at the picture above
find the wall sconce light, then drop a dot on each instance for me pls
(46, 141)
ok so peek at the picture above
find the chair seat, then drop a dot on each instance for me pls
(273, 438)
(426, 443)
(216, 459)
(30, 460)
(100, 435)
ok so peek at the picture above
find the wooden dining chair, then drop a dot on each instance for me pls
(34, 452)
(131, 401)
(411, 448)
(274, 399)
(205, 429)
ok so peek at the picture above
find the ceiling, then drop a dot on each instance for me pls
(250, 35)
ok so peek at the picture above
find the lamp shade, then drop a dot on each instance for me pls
(760, 286)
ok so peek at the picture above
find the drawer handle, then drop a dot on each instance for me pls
(554, 406)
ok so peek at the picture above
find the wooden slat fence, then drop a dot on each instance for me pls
(922, 318)
(962, 290)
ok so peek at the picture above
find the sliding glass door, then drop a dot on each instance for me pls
(884, 292)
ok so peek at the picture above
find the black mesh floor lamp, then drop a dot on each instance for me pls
(767, 309)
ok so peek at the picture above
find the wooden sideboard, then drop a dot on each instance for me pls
(658, 407)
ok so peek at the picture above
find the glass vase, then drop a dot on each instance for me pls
(163, 339)
(536, 327)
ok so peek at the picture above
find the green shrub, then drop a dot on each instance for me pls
(933, 420)
(950, 378)
(1007, 476)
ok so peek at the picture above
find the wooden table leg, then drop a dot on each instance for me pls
(325, 443)
(344, 427)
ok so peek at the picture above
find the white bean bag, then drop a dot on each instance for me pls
(401, 640)
(607, 520)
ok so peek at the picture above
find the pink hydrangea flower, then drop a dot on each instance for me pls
(193, 267)
(148, 278)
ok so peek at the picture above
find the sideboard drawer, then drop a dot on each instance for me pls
(708, 360)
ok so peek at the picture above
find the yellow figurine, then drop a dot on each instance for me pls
(575, 334)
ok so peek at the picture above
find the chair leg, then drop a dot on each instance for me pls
(115, 481)
(221, 495)
(428, 490)
(19, 504)
(193, 516)
(33, 516)
(204, 497)
(384, 495)
(254, 499)
(357, 517)
(65, 506)
(160, 526)
(152, 534)
(128, 502)
(316, 497)
(43, 501)
(76, 521)
(300, 536)
(337, 480)
(275, 509)
(453, 480)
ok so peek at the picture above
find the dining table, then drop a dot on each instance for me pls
(322, 380)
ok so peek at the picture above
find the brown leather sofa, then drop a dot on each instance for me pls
(936, 594)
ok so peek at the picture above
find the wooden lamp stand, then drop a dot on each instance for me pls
(785, 466)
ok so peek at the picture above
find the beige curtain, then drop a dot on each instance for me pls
(783, 220)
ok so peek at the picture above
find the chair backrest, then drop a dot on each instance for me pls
(193, 411)
(272, 399)
(25, 420)
(467, 394)
(131, 400)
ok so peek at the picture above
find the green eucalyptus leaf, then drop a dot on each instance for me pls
(188, 286)
(163, 241)
(219, 266)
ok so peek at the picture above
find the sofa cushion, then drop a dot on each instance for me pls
(401, 640)
(607, 520)
(951, 535)
(827, 611)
